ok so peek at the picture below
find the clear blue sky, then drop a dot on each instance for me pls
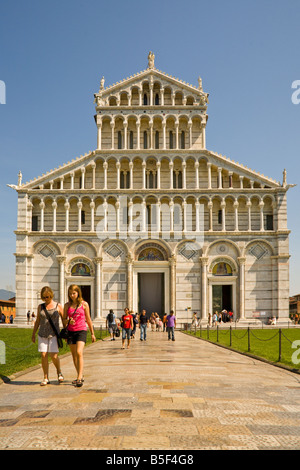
(54, 53)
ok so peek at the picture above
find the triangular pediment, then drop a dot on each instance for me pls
(150, 75)
(63, 170)
(239, 169)
(216, 160)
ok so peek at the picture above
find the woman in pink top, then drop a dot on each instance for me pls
(77, 312)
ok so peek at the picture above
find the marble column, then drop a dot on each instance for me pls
(158, 174)
(172, 264)
(105, 165)
(54, 207)
(242, 262)
(62, 260)
(99, 137)
(223, 206)
(183, 175)
(164, 134)
(92, 207)
(197, 175)
(261, 207)
(209, 175)
(171, 165)
(204, 289)
(210, 208)
(129, 261)
(249, 214)
(144, 174)
(67, 211)
(42, 208)
(79, 206)
(236, 215)
(131, 175)
(98, 263)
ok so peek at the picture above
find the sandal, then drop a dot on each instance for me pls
(79, 383)
(44, 382)
(76, 380)
(60, 377)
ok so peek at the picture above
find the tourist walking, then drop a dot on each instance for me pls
(127, 326)
(135, 322)
(152, 321)
(194, 320)
(48, 314)
(165, 321)
(77, 313)
(143, 323)
(171, 325)
(111, 324)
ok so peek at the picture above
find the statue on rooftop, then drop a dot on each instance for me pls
(151, 58)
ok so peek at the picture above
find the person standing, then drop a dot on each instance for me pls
(111, 324)
(77, 311)
(127, 326)
(47, 339)
(143, 322)
(171, 325)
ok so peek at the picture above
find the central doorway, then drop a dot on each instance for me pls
(86, 293)
(222, 297)
(151, 293)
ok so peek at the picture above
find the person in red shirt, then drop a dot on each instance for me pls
(127, 326)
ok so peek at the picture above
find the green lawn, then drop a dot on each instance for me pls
(264, 343)
(21, 353)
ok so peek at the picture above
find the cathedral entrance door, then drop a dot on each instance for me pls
(222, 297)
(151, 293)
(86, 294)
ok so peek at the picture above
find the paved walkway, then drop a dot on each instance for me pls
(158, 395)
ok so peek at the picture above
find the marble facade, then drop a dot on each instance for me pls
(151, 198)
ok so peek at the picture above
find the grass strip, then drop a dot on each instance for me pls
(21, 353)
(270, 345)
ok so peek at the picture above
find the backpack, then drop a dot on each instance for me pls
(110, 317)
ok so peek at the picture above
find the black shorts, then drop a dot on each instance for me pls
(74, 336)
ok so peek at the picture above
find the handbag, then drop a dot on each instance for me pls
(64, 332)
(57, 334)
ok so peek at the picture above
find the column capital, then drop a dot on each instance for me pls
(98, 260)
(61, 259)
(203, 260)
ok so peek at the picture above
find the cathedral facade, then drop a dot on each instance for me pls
(151, 218)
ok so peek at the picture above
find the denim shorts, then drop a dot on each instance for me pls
(126, 332)
(74, 336)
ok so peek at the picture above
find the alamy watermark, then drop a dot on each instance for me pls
(127, 220)
(2, 92)
(296, 94)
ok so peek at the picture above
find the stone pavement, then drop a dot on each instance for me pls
(158, 395)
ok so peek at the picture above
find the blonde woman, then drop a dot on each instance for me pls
(47, 340)
(77, 314)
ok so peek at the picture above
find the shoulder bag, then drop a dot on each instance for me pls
(57, 334)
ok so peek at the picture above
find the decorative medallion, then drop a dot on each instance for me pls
(222, 249)
(80, 249)
(46, 251)
(258, 251)
(188, 251)
(114, 251)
